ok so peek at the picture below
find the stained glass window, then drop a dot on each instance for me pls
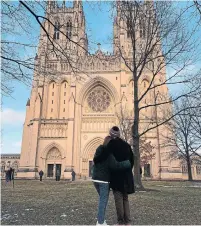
(99, 99)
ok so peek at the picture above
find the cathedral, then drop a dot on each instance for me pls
(75, 98)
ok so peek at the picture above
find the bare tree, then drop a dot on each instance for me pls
(18, 60)
(185, 127)
(125, 123)
(198, 6)
(155, 37)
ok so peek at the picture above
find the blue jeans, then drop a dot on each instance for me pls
(103, 192)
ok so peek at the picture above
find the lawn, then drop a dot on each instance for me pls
(64, 203)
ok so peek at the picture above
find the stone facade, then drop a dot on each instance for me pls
(71, 110)
(7, 161)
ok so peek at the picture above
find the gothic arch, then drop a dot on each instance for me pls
(49, 147)
(145, 77)
(51, 81)
(63, 79)
(95, 82)
(91, 147)
(130, 79)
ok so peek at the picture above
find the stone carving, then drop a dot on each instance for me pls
(54, 153)
(91, 63)
(99, 99)
(54, 130)
(98, 124)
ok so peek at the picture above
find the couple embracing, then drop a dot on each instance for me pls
(113, 163)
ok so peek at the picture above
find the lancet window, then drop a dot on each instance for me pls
(56, 30)
(69, 29)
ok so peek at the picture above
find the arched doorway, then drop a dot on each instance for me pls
(53, 162)
(88, 154)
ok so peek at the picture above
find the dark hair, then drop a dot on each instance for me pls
(115, 128)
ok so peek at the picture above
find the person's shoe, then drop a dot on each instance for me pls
(104, 223)
(128, 223)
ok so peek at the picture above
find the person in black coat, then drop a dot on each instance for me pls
(122, 183)
(73, 174)
(7, 176)
(10, 173)
(41, 175)
(58, 175)
(101, 177)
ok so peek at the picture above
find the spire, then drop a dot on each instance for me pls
(149, 5)
(77, 4)
(50, 5)
(53, 4)
(63, 4)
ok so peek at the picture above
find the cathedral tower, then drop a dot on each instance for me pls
(50, 110)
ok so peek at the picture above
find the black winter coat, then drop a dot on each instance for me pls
(40, 173)
(121, 150)
(103, 170)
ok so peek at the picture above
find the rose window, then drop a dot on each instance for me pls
(98, 99)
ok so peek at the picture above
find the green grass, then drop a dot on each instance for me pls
(62, 203)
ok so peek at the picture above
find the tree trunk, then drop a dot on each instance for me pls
(135, 135)
(188, 160)
(137, 176)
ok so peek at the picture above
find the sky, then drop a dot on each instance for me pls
(99, 29)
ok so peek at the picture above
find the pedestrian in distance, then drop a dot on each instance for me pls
(7, 176)
(10, 174)
(73, 174)
(58, 175)
(41, 175)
